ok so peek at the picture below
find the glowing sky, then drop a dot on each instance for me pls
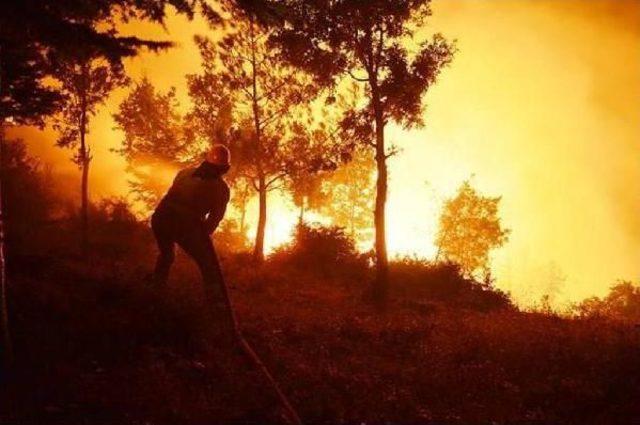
(541, 106)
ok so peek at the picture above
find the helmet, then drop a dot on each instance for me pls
(218, 154)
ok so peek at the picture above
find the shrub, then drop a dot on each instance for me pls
(444, 282)
(27, 196)
(228, 238)
(621, 303)
(327, 251)
(116, 233)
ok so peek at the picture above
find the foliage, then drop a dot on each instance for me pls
(228, 238)
(154, 139)
(314, 152)
(86, 81)
(211, 120)
(445, 282)
(351, 191)
(469, 228)
(621, 303)
(117, 234)
(28, 198)
(367, 41)
(262, 92)
(152, 125)
(35, 34)
(211, 116)
(325, 251)
(24, 98)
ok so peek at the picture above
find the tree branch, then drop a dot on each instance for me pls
(275, 179)
(355, 77)
(272, 90)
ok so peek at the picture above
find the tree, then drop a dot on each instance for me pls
(211, 121)
(240, 197)
(32, 32)
(154, 139)
(314, 153)
(27, 194)
(621, 303)
(263, 92)
(306, 191)
(351, 187)
(87, 80)
(24, 99)
(370, 41)
(469, 228)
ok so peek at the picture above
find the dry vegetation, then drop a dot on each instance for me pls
(94, 345)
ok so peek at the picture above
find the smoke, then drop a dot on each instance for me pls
(540, 106)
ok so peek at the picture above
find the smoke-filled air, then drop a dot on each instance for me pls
(320, 211)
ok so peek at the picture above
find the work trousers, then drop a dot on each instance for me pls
(171, 228)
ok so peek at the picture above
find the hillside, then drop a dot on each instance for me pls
(94, 345)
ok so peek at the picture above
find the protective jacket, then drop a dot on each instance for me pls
(198, 194)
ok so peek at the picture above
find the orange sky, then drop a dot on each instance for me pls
(540, 106)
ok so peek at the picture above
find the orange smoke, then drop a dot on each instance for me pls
(539, 105)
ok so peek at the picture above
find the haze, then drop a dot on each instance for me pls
(540, 106)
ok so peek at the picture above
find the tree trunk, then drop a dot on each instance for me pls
(6, 352)
(243, 214)
(301, 215)
(381, 283)
(84, 191)
(258, 250)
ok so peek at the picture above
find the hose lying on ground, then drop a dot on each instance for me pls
(291, 414)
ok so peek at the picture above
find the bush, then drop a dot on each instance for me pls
(327, 251)
(116, 233)
(229, 239)
(622, 303)
(28, 199)
(444, 282)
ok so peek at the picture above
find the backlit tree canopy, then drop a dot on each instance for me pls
(263, 92)
(153, 139)
(469, 229)
(376, 44)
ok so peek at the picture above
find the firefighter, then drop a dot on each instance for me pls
(187, 216)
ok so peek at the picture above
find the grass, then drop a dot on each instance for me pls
(95, 346)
